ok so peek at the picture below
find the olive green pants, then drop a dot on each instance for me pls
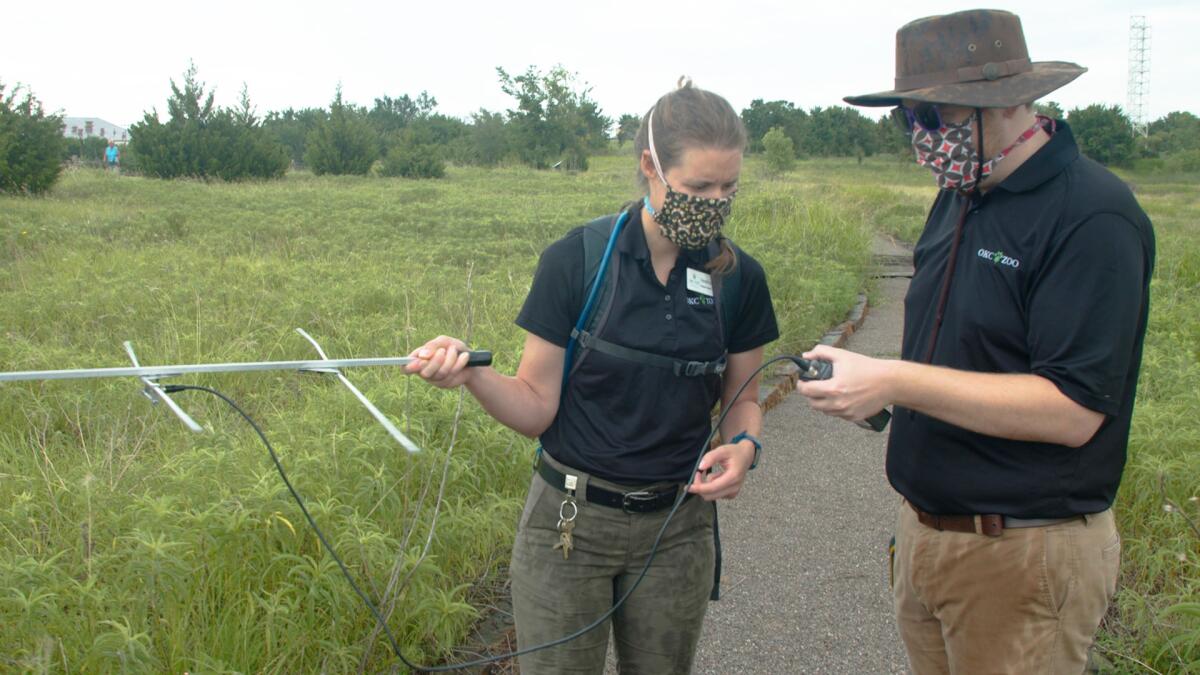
(1026, 602)
(656, 630)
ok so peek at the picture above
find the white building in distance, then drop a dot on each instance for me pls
(87, 127)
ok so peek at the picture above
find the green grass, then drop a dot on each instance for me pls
(892, 193)
(132, 545)
(128, 544)
(1156, 620)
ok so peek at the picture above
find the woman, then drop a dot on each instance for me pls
(620, 440)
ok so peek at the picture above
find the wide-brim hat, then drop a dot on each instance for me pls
(975, 58)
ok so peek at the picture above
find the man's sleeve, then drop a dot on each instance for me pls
(554, 299)
(1085, 312)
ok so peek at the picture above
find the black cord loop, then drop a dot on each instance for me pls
(491, 659)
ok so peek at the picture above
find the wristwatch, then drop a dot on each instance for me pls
(743, 436)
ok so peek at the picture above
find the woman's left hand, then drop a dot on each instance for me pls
(729, 464)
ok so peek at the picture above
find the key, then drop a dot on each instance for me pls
(564, 537)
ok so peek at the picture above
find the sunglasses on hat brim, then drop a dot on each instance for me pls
(926, 115)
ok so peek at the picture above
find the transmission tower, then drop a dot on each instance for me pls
(1139, 73)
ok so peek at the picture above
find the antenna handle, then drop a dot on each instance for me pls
(479, 358)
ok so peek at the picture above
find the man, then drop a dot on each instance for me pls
(1022, 341)
(112, 156)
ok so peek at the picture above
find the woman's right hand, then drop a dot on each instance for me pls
(442, 362)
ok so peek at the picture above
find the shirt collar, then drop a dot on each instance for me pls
(632, 242)
(1046, 163)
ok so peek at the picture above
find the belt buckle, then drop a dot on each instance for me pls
(640, 497)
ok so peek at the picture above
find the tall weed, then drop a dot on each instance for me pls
(1156, 621)
(133, 545)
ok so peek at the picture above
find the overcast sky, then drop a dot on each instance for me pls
(114, 59)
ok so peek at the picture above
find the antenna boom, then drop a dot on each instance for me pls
(477, 358)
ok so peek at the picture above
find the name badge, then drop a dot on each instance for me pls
(699, 282)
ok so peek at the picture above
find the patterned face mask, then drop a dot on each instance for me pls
(688, 221)
(949, 152)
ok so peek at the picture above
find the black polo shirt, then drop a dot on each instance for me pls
(1052, 278)
(625, 421)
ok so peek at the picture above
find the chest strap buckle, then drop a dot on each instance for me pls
(698, 368)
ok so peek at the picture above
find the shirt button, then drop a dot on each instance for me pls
(668, 317)
(667, 298)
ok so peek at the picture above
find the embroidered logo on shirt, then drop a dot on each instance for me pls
(998, 258)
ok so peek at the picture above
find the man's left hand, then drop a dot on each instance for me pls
(858, 389)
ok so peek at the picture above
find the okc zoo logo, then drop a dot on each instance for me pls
(998, 258)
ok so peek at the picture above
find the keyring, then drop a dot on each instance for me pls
(562, 511)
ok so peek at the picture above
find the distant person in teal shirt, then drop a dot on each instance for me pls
(112, 156)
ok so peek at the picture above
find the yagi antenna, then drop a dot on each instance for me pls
(155, 393)
(375, 412)
(150, 376)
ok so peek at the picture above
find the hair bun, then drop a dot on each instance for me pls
(684, 82)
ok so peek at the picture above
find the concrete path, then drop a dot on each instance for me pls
(805, 581)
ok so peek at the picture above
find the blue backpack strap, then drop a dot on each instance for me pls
(599, 272)
(596, 259)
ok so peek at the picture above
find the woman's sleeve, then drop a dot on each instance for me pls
(555, 297)
(754, 321)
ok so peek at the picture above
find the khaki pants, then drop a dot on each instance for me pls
(1028, 601)
(658, 627)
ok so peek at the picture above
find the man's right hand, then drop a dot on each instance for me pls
(442, 362)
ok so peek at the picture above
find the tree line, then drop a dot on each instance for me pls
(785, 133)
(554, 123)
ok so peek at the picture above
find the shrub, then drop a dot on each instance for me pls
(1187, 161)
(489, 136)
(1104, 133)
(411, 156)
(31, 144)
(891, 140)
(627, 128)
(1175, 132)
(762, 116)
(1149, 165)
(292, 127)
(90, 149)
(343, 142)
(839, 131)
(390, 115)
(461, 151)
(202, 141)
(781, 155)
(130, 165)
(555, 123)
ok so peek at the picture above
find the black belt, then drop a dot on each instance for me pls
(638, 501)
